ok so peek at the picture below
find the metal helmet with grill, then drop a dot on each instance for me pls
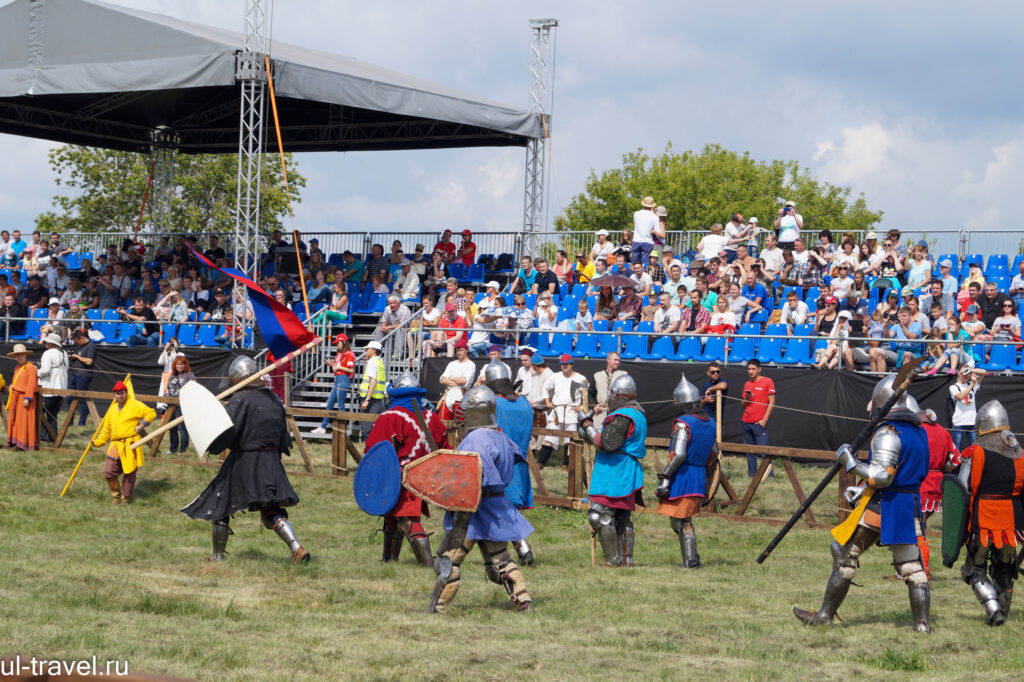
(406, 380)
(478, 407)
(241, 368)
(994, 433)
(621, 391)
(498, 378)
(686, 397)
(883, 391)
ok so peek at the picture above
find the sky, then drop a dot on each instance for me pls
(915, 105)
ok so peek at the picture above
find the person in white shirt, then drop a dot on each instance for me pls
(794, 311)
(457, 376)
(407, 286)
(1016, 284)
(645, 222)
(642, 280)
(490, 298)
(53, 373)
(563, 396)
(788, 224)
(526, 374)
(841, 283)
(964, 394)
(603, 247)
(800, 253)
(736, 233)
(666, 319)
(771, 254)
(712, 244)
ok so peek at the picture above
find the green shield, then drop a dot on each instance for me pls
(956, 512)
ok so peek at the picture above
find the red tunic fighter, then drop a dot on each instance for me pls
(399, 425)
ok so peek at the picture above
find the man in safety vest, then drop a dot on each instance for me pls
(371, 390)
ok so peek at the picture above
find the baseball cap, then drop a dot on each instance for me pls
(907, 291)
(220, 292)
(922, 242)
(494, 284)
(314, 240)
(566, 359)
(832, 299)
(376, 345)
(753, 220)
(420, 247)
(602, 232)
(447, 232)
(945, 263)
(462, 343)
(405, 261)
(466, 233)
(450, 307)
(668, 249)
(791, 203)
(862, 310)
(870, 235)
(341, 337)
(54, 300)
(973, 308)
(892, 293)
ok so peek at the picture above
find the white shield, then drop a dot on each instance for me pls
(205, 418)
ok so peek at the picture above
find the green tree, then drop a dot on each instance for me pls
(702, 188)
(106, 190)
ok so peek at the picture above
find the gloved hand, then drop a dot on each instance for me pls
(854, 493)
(846, 456)
(662, 490)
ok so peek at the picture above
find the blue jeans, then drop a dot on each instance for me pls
(963, 436)
(153, 340)
(478, 350)
(640, 252)
(338, 397)
(754, 434)
(79, 384)
(179, 434)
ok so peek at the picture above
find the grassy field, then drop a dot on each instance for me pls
(82, 577)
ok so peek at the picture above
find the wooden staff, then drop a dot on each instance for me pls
(237, 387)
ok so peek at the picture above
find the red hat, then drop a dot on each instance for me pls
(466, 233)
(119, 386)
(449, 307)
(341, 337)
(832, 299)
(566, 359)
(462, 343)
(447, 232)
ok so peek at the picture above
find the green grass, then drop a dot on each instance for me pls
(81, 576)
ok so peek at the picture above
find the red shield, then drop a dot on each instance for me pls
(451, 479)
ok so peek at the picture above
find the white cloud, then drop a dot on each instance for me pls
(998, 187)
(862, 151)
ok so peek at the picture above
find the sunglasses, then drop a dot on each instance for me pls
(714, 371)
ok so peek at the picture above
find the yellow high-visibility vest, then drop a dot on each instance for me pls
(378, 390)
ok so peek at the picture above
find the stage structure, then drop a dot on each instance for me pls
(542, 91)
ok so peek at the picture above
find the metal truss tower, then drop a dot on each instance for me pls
(542, 61)
(251, 73)
(164, 144)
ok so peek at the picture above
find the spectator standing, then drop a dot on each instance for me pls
(457, 378)
(563, 396)
(371, 389)
(181, 373)
(21, 401)
(714, 385)
(80, 364)
(713, 243)
(964, 394)
(344, 368)
(788, 224)
(53, 373)
(645, 223)
(758, 404)
(771, 254)
(736, 233)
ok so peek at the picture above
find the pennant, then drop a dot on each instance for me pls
(282, 331)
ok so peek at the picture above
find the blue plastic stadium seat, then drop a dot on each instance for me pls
(87, 255)
(813, 294)
(168, 330)
(531, 301)
(1017, 260)
(952, 258)
(1002, 357)
(560, 343)
(73, 261)
(543, 344)
(798, 351)
(94, 314)
(586, 346)
(609, 343)
(479, 297)
(510, 259)
(563, 289)
(635, 346)
(770, 350)
(475, 273)
(458, 271)
(187, 335)
(592, 303)
(207, 334)
(965, 265)
(743, 346)
(124, 330)
(997, 261)
(380, 304)
(688, 349)
(579, 290)
(108, 329)
(714, 349)
(663, 347)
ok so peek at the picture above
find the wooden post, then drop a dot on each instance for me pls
(155, 449)
(300, 442)
(797, 488)
(67, 423)
(339, 463)
(93, 412)
(843, 506)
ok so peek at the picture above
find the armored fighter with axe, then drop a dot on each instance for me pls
(887, 509)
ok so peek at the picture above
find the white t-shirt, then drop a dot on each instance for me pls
(841, 285)
(713, 243)
(794, 315)
(606, 250)
(730, 233)
(559, 388)
(536, 393)
(788, 231)
(800, 256)
(850, 259)
(481, 331)
(432, 318)
(454, 370)
(772, 259)
(965, 411)
(644, 222)
(524, 378)
(643, 282)
(724, 318)
(663, 319)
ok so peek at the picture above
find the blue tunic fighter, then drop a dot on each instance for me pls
(495, 523)
(618, 478)
(891, 516)
(515, 419)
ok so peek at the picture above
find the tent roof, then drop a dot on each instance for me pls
(91, 73)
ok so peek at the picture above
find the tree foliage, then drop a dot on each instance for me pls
(699, 189)
(106, 190)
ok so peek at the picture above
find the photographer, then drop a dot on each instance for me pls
(964, 394)
(788, 224)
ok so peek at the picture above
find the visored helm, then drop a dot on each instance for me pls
(883, 391)
(498, 378)
(406, 380)
(621, 391)
(686, 397)
(478, 407)
(242, 367)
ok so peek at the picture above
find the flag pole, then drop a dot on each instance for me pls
(237, 387)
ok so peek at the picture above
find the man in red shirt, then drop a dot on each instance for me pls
(467, 249)
(758, 403)
(446, 247)
(453, 328)
(943, 457)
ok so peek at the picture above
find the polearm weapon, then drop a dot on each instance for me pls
(899, 385)
(237, 387)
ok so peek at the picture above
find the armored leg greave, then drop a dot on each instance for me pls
(221, 533)
(687, 542)
(280, 524)
(1003, 570)
(498, 564)
(602, 521)
(844, 565)
(988, 594)
(418, 539)
(524, 551)
(907, 561)
(989, 598)
(626, 534)
(447, 564)
(920, 606)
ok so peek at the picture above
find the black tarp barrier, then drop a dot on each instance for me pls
(810, 396)
(210, 366)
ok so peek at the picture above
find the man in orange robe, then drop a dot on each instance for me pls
(22, 430)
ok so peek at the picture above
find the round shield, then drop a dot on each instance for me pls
(378, 479)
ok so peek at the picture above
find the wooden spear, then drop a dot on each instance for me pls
(237, 387)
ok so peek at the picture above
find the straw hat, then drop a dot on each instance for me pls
(19, 349)
(53, 338)
(648, 202)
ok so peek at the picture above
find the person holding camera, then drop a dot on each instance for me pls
(964, 394)
(788, 224)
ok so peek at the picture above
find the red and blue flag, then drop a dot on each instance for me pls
(282, 331)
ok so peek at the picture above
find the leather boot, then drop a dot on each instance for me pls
(115, 489)
(221, 533)
(835, 593)
(392, 541)
(543, 455)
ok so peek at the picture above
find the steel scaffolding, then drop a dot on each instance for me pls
(164, 145)
(542, 56)
(250, 71)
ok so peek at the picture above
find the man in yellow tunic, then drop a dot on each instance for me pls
(123, 424)
(22, 430)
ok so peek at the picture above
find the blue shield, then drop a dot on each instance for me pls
(378, 479)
